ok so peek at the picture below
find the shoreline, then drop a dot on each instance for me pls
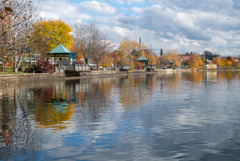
(7, 80)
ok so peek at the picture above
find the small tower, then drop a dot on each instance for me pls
(140, 41)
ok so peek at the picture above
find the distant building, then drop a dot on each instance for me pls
(184, 57)
(209, 55)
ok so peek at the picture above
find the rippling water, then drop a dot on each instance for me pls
(181, 116)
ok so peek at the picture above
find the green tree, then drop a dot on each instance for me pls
(47, 35)
(161, 52)
(229, 58)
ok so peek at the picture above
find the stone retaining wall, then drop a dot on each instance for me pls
(21, 78)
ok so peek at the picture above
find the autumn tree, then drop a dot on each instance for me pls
(217, 61)
(16, 19)
(91, 42)
(106, 61)
(200, 62)
(228, 63)
(5, 9)
(78, 45)
(176, 63)
(194, 61)
(79, 57)
(115, 57)
(130, 50)
(229, 58)
(223, 61)
(169, 56)
(152, 57)
(128, 46)
(163, 61)
(46, 35)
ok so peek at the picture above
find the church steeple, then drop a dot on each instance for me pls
(140, 41)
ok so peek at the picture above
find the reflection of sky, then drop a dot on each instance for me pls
(190, 121)
(179, 123)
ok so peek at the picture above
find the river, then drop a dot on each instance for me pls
(177, 116)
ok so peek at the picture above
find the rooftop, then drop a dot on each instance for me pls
(60, 49)
(142, 58)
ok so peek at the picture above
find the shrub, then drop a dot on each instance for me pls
(44, 66)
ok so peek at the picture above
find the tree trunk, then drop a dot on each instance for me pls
(17, 63)
(97, 65)
(3, 67)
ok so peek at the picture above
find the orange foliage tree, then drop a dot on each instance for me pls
(78, 47)
(115, 58)
(217, 61)
(194, 61)
(79, 57)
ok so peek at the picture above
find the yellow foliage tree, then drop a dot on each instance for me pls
(128, 49)
(106, 61)
(127, 46)
(131, 62)
(151, 57)
(228, 63)
(223, 62)
(193, 62)
(200, 62)
(47, 35)
(172, 55)
(176, 63)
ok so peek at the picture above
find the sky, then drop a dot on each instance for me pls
(181, 25)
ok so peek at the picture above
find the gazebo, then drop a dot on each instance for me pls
(60, 55)
(207, 61)
(144, 60)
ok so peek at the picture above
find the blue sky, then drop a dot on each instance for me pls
(183, 25)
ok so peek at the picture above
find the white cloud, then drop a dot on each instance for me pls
(65, 11)
(129, 1)
(181, 25)
(98, 7)
(219, 41)
(137, 10)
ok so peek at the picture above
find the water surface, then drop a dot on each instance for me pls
(180, 116)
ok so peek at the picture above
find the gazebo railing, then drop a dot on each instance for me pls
(78, 67)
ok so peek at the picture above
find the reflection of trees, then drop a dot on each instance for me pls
(53, 106)
(93, 97)
(209, 76)
(229, 75)
(51, 116)
(17, 137)
(169, 81)
(132, 89)
(194, 76)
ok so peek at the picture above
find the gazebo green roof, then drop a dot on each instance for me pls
(60, 49)
(207, 60)
(142, 58)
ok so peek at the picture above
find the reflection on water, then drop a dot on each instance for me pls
(179, 116)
